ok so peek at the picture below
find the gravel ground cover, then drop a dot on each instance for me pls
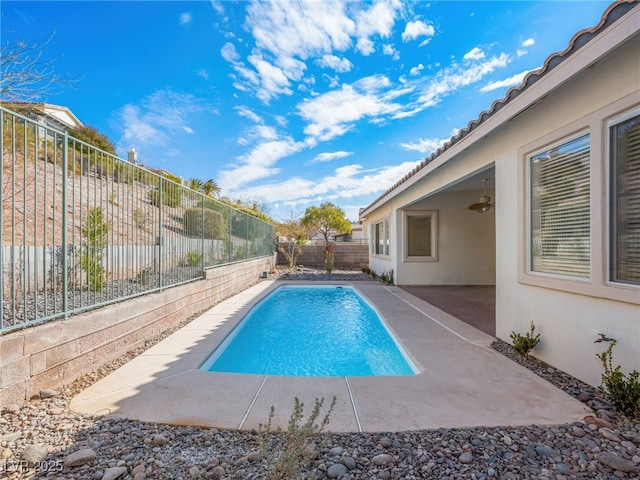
(43, 438)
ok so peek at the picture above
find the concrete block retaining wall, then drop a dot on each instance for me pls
(58, 352)
(346, 255)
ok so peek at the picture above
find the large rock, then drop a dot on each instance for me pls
(34, 454)
(336, 470)
(80, 457)
(114, 472)
(382, 459)
(615, 462)
(48, 393)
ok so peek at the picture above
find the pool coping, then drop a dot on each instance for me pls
(462, 382)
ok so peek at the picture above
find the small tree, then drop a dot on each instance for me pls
(92, 136)
(294, 236)
(95, 233)
(327, 219)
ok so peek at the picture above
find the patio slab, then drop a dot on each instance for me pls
(462, 381)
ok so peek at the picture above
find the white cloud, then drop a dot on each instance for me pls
(365, 46)
(390, 50)
(415, 71)
(507, 82)
(417, 29)
(257, 164)
(332, 81)
(288, 34)
(218, 7)
(272, 79)
(377, 21)
(334, 113)
(202, 73)
(451, 79)
(329, 156)
(426, 146)
(336, 63)
(474, 54)
(346, 182)
(185, 18)
(158, 117)
(247, 113)
(529, 42)
(229, 53)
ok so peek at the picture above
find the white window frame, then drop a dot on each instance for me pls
(599, 285)
(385, 247)
(529, 159)
(433, 215)
(611, 227)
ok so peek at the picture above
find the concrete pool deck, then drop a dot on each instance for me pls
(462, 382)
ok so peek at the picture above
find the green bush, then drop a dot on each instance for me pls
(525, 343)
(193, 259)
(171, 195)
(292, 448)
(95, 233)
(624, 390)
(211, 226)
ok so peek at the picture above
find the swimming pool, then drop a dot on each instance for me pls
(311, 331)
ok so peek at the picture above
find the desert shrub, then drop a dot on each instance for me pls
(624, 390)
(211, 226)
(296, 441)
(523, 344)
(193, 259)
(170, 190)
(95, 232)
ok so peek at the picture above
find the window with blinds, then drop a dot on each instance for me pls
(625, 201)
(560, 209)
(381, 238)
(420, 234)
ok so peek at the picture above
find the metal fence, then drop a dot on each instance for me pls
(81, 228)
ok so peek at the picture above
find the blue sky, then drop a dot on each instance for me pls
(291, 103)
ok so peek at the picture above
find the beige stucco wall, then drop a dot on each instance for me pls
(569, 321)
(57, 352)
(569, 314)
(466, 243)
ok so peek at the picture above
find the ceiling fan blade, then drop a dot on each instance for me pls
(477, 206)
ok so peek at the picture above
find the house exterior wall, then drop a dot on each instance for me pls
(570, 314)
(466, 243)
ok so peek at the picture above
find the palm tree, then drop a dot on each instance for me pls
(195, 184)
(211, 188)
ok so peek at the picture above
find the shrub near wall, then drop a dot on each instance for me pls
(212, 226)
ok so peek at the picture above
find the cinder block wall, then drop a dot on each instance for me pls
(346, 255)
(58, 352)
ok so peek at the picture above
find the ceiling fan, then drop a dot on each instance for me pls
(485, 201)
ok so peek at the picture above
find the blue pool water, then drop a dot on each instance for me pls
(319, 331)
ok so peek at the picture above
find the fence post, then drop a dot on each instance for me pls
(160, 252)
(202, 242)
(2, 119)
(65, 240)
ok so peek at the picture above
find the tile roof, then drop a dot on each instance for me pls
(613, 13)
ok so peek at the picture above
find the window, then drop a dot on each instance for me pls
(625, 201)
(560, 209)
(421, 235)
(381, 238)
